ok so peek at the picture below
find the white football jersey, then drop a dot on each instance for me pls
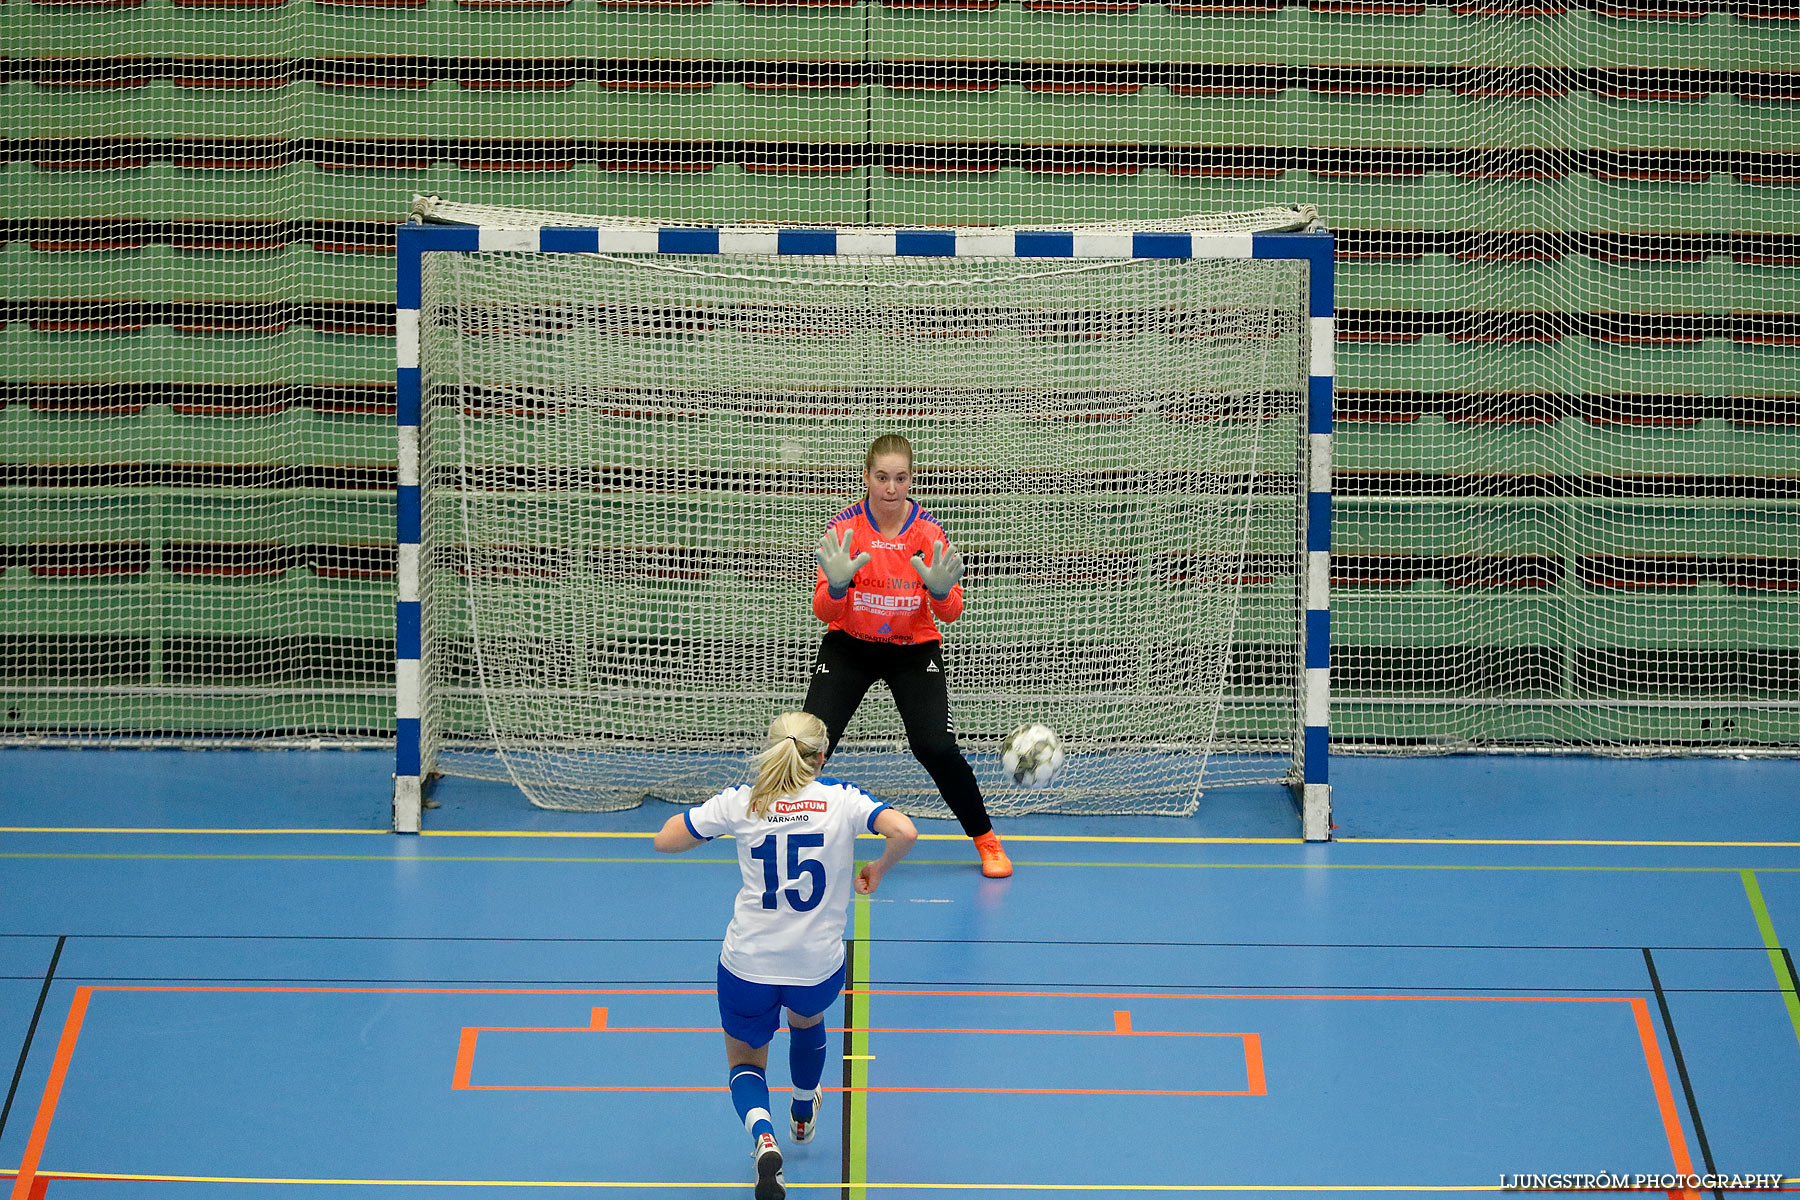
(798, 862)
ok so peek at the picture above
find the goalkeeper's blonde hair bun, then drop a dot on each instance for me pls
(796, 750)
(888, 443)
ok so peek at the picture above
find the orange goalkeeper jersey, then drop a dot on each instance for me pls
(887, 601)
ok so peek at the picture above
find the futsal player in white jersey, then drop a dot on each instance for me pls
(796, 846)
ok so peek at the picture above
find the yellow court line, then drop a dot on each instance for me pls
(110, 1177)
(1364, 841)
(924, 837)
(128, 829)
(647, 834)
(641, 834)
(738, 1185)
(1088, 839)
(1110, 839)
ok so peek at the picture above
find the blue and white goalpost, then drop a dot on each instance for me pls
(617, 443)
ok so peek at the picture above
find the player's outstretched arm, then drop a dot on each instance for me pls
(943, 573)
(674, 836)
(833, 557)
(900, 833)
(941, 578)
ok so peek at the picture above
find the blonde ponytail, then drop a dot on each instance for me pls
(888, 443)
(797, 744)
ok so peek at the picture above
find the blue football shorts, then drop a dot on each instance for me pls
(751, 1012)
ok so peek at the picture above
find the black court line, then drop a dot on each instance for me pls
(385, 937)
(852, 981)
(1759, 948)
(1312, 987)
(1687, 1086)
(707, 982)
(584, 984)
(31, 1032)
(706, 985)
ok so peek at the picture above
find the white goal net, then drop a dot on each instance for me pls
(628, 458)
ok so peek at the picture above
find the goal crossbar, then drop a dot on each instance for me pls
(1312, 790)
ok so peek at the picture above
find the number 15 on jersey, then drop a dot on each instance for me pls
(800, 895)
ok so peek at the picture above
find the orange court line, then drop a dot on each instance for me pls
(465, 1060)
(1221, 995)
(1126, 1032)
(23, 1181)
(402, 991)
(1068, 1032)
(462, 1077)
(1665, 1095)
(59, 1070)
(27, 1175)
(734, 1185)
(1253, 1064)
(958, 1091)
(974, 1091)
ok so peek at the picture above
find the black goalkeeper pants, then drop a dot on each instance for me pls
(844, 671)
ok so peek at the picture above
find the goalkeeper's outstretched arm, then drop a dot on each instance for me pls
(837, 571)
(942, 578)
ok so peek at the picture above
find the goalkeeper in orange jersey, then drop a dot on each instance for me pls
(887, 576)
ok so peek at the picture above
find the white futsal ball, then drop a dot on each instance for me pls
(1033, 756)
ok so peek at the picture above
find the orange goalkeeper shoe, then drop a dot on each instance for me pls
(994, 863)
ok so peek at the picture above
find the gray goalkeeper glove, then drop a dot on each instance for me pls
(942, 575)
(834, 559)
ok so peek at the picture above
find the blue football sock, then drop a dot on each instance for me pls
(750, 1096)
(806, 1064)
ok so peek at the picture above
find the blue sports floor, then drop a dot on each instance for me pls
(219, 977)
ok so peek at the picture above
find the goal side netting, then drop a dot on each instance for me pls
(626, 460)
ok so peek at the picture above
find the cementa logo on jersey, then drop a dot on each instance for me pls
(883, 605)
